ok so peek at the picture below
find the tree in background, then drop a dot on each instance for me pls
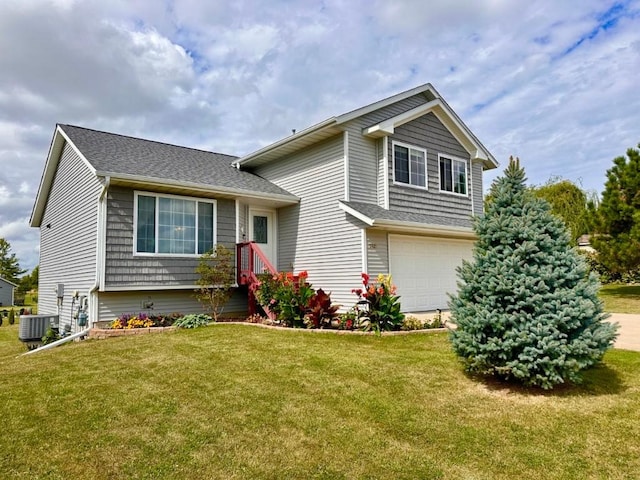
(568, 202)
(9, 266)
(617, 237)
(526, 307)
(29, 281)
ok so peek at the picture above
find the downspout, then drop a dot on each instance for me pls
(66, 339)
(93, 296)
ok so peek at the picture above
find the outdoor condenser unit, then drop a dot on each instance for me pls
(33, 327)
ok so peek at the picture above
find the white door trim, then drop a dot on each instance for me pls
(272, 214)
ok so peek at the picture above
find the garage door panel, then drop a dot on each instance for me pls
(424, 269)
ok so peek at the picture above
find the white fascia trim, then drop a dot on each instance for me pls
(360, 216)
(386, 102)
(345, 146)
(291, 138)
(448, 118)
(78, 152)
(146, 288)
(289, 199)
(51, 165)
(387, 127)
(437, 230)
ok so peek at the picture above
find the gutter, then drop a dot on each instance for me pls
(83, 333)
(99, 249)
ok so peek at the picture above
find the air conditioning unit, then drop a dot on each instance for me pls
(33, 327)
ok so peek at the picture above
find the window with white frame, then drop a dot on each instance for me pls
(453, 175)
(171, 225)
(409, 165)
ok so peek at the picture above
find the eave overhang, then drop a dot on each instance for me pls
(448, 118)
(403, 226)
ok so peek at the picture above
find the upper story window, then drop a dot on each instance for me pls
(170, 225)
(409, 165)
(453, 175)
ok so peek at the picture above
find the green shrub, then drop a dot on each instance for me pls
(50, 336)
(436, 321)
(412, 323)
(216, 276)
(287, 296)
(12, 317)
(193, 321)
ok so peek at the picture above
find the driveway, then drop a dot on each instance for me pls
(629, 331)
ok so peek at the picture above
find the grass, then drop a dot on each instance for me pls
(238, 402)
(621, 298)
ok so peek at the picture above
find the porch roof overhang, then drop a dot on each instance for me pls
(200, 190)
(377, 217)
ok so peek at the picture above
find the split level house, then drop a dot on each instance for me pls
(388, 188)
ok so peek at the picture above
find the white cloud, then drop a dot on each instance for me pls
(553, 82)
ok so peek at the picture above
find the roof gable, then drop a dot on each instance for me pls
(7, 281)
(134, 160)
(435, 103)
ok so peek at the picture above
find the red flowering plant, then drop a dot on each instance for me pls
(320, 312)
(287, 296)
(378, 304)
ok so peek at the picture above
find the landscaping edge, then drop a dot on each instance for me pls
(102, 333)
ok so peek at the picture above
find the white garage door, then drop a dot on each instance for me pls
(424, 269)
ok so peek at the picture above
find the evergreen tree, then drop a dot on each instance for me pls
(9, 266)
(526, 307)
(618, 216)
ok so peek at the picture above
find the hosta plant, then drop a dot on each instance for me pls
(193, 321)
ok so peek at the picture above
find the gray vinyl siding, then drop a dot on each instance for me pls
(377, 252)
(363, 156)
(447, 209)
(113, 304)
(68, 247)
(6, 293)
(124, 269)
(316, 235)
(478, 199)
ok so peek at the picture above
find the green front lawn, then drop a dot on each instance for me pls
(621, 298)
(243, 402)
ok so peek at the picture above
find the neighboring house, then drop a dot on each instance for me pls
(6, 292)
(387, 188)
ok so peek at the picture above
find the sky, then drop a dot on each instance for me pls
(553, 82)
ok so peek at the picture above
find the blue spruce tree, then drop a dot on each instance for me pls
(527, 308)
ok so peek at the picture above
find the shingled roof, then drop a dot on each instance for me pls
(122, 156)
(376, 216)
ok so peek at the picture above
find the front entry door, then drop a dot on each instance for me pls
(262, 231)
